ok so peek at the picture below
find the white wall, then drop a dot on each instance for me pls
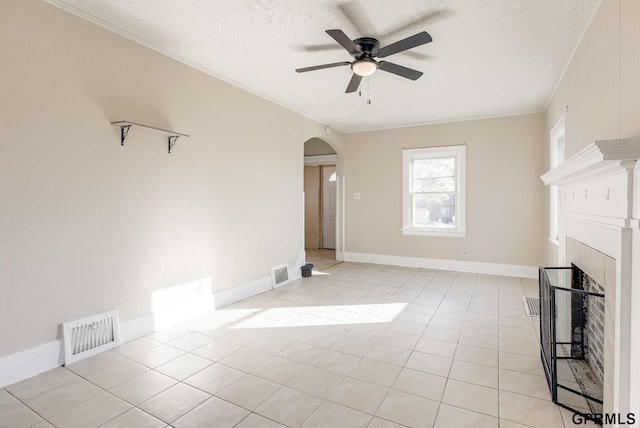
(87, 225)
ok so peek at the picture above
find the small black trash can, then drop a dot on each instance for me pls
(306, 270)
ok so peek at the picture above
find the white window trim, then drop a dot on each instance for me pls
(554, 208)
(460, 153)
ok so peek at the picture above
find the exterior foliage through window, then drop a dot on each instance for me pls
(434, 181)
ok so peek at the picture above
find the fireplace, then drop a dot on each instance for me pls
(599, 234)
(572, 339)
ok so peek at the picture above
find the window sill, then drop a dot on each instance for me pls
(443, 233)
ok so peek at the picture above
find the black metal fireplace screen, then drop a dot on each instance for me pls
(566, 327)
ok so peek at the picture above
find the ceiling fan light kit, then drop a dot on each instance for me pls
(365, 50)
(364, 67)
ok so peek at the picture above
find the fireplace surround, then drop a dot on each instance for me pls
(599, 232)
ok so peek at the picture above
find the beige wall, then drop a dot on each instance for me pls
(87, 225)
(600, 90)
(505, 157)
(312, 229)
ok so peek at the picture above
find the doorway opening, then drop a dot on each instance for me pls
(320, 203)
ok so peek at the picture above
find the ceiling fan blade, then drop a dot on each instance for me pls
(353, 83)
(357, 15)
(316, 48)
(320, 67)
(418, 55)
(404, 44)
(345, 41)
(408, 73)
(421, 21)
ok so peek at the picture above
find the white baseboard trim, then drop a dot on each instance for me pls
(137, 327)
(241, 292)
(31, 362)
(28, 363)
(443, 264)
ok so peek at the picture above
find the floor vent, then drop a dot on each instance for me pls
(89, 336)
(531, 306)
(280, 275)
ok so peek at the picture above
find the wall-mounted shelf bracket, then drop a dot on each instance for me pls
(172, 141)
(124, 131)
(124, 125)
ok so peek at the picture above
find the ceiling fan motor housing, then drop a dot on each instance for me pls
(368, 47)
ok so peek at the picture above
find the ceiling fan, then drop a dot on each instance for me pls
(365, 50)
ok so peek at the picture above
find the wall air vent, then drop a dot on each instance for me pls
(89, 336)
(280, 275)
(531, 306)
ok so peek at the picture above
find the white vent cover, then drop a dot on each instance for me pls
(89, 336)
(531, 306)
(280, 275)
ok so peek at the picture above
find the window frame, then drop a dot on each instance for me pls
(459, 152)
(557, 152)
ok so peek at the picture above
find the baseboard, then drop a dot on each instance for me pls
(137, 327)
(28, 363)
(241, 292)
(31, 362)
(442, 264)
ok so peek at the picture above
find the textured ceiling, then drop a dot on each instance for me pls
(487, 58)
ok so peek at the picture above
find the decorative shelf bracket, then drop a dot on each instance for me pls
(124, 125)
(124, 131)
(172, 141)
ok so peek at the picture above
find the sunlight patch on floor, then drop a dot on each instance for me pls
(310, 316)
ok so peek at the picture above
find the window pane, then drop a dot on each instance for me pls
(434, 175)
(434, 210)
(445, 167)
(442, 184)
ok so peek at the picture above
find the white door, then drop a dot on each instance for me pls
(329, 200)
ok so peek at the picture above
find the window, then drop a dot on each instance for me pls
(556, 157)
(434, 191)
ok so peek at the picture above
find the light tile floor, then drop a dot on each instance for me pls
(354, 346)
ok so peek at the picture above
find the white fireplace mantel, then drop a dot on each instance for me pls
(600, 208)
(598, 182)
(597, 159)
